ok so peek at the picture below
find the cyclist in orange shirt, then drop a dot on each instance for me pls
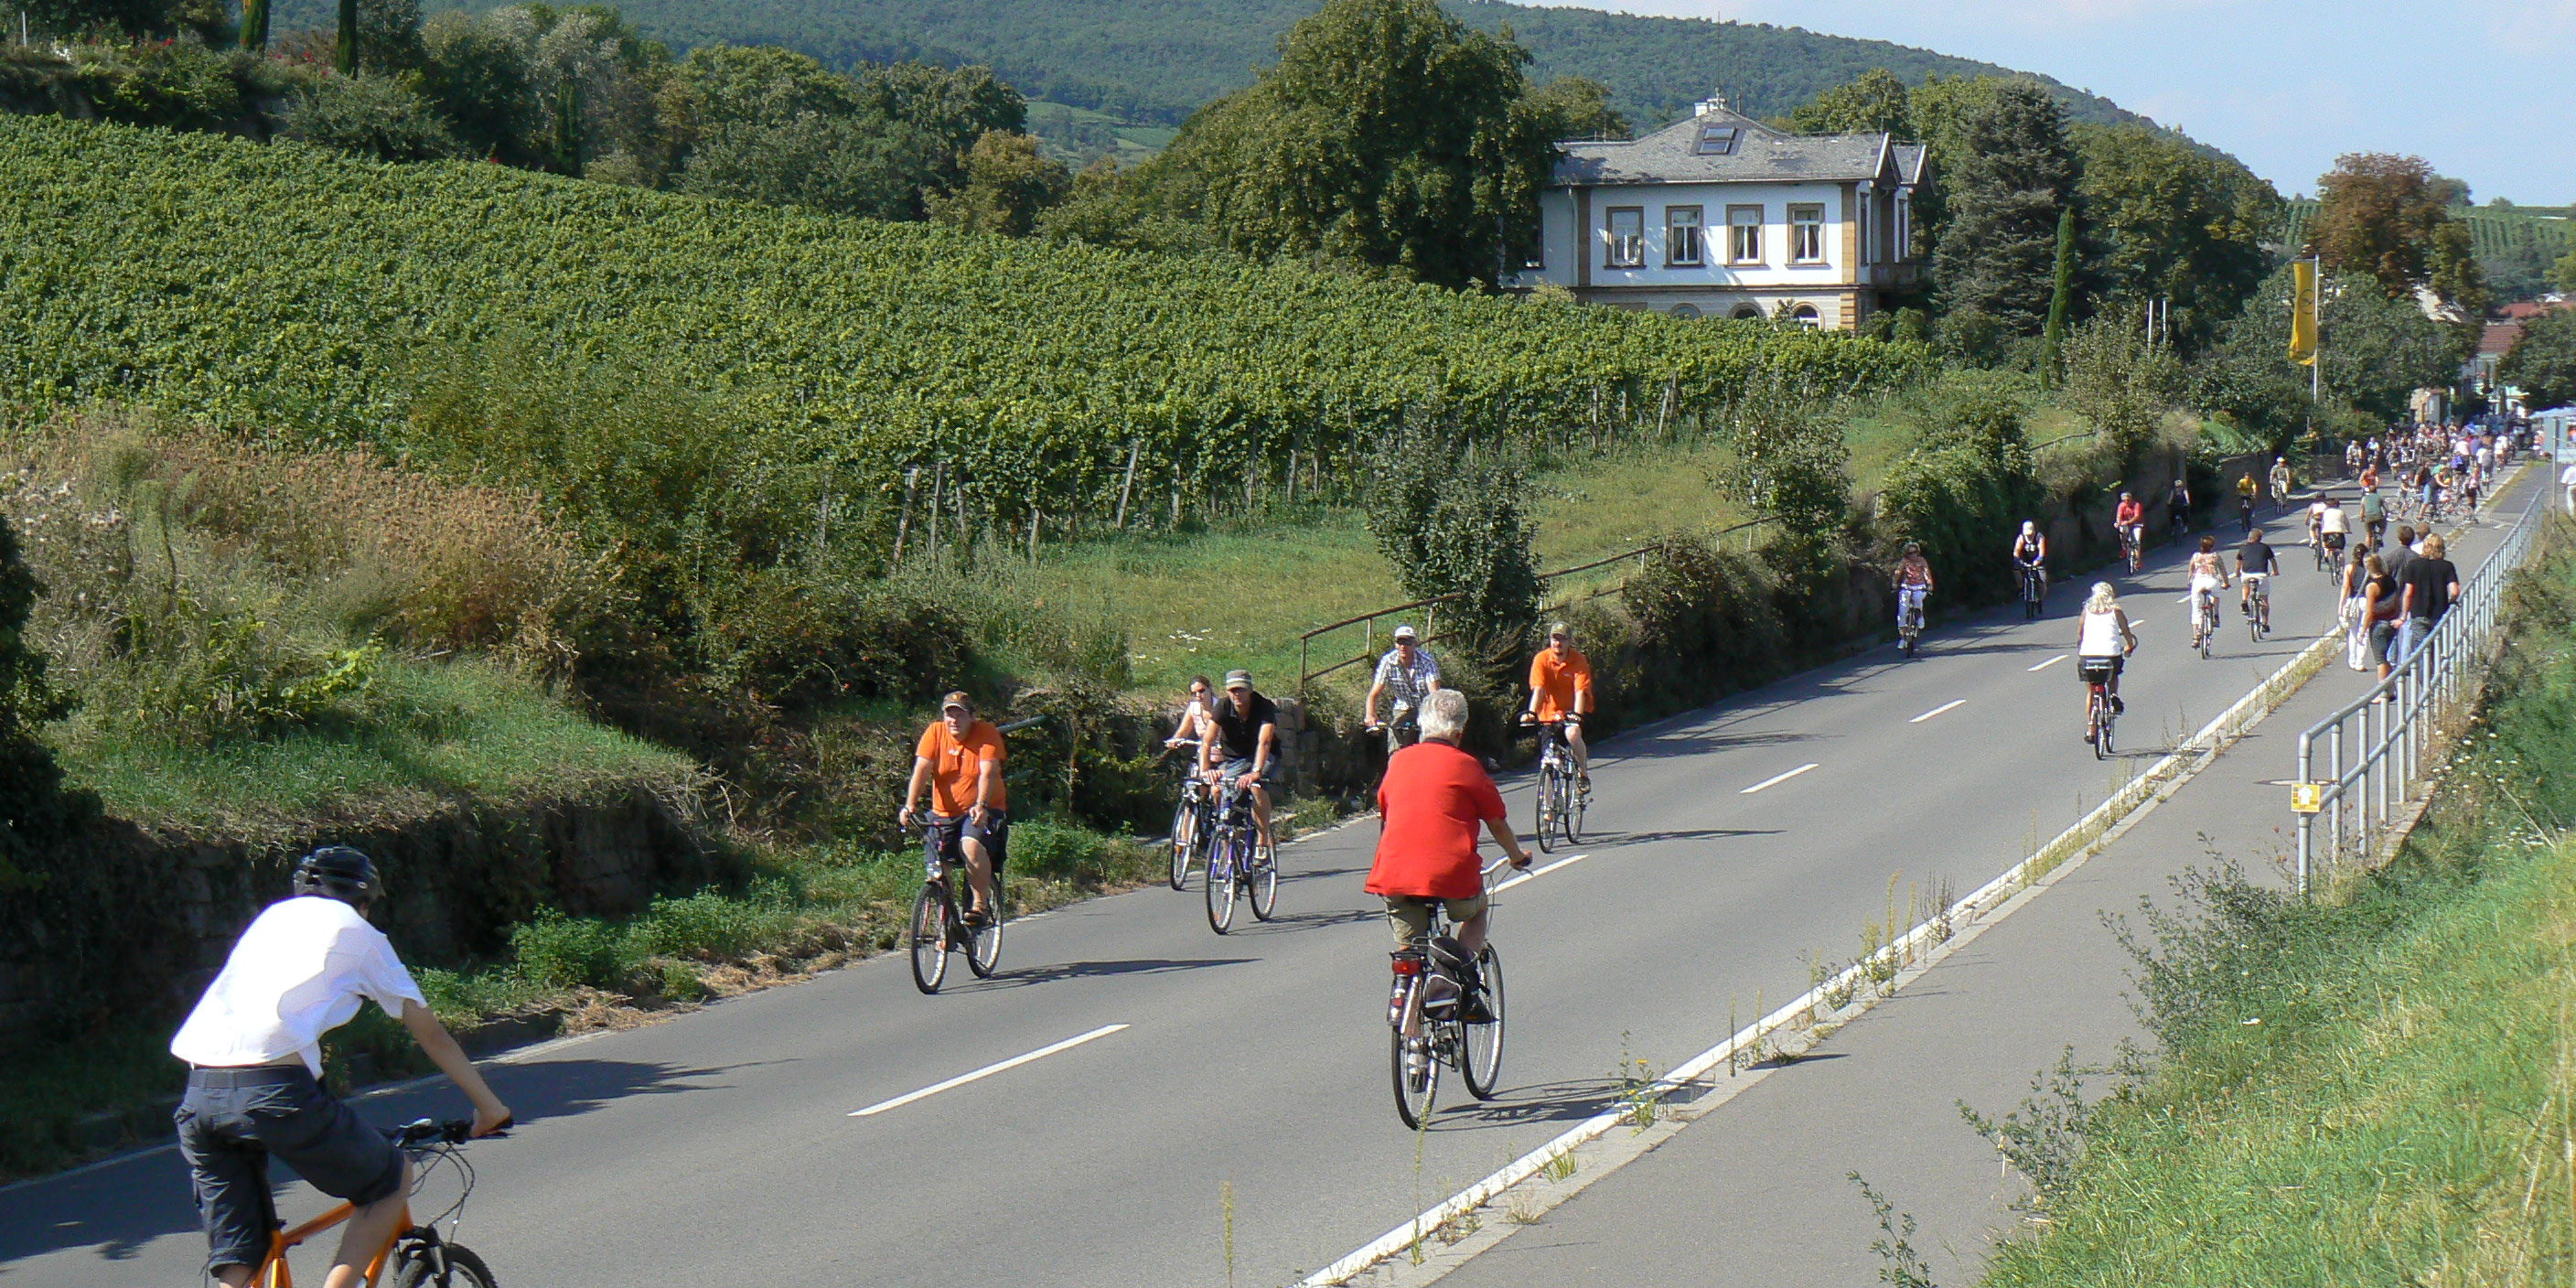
(1560, 682)
(960, 761)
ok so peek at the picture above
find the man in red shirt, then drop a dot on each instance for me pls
(1433, 798)
(2129, 521)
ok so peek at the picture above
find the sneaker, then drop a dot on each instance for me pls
(1583, 784)
(2119, 708)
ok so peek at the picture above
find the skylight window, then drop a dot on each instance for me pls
(1717, 140)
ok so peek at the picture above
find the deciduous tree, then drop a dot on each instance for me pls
(35, 812)
(1008, 182)
(2388, 218)
(1876, 101)
(2376, 352)
(2170, 222)
(2542, 363)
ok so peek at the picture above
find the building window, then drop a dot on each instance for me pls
(1806, 234)
(1904, 227)
(1748, 313)
(1806, 316)
(1686, 312)
(1717, 140)
(1681, 236)
(1868, 249)
(1744, 234)
(1627, 237)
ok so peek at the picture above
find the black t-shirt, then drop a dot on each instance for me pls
(2255, 556)
(1241, 733)
(2431, 580)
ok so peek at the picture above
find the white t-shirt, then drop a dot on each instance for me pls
(297, 973)
(2331, 519)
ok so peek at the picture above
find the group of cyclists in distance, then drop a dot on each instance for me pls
(2388, 601)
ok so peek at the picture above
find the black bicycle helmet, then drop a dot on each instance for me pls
(338, 872)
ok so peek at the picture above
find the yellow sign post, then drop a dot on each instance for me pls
(2307, 798)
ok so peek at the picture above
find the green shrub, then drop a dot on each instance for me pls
(562, 952)
(369, 115)
(795, 641)
(176, 84)
(706, 926)
(1044, 849)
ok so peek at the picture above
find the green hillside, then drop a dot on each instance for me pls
(1156, 61)
(277, 285)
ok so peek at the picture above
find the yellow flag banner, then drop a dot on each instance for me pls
(2303, 312)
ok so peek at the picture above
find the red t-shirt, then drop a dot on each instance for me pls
(1435, 796)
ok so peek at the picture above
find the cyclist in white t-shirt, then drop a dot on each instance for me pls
(253, 1047)
(2104, 640)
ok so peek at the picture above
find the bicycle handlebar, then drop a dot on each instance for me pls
(422, 1133)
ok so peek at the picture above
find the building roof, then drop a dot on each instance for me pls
(1673, 155)
(2497, 339)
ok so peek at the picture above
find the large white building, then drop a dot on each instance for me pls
(1723, 216)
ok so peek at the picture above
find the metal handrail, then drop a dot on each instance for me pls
(1369, 649)
(2375, 751)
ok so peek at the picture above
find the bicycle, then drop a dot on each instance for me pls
(2245, 514)
(1239, 863)
(938, 924)
(1561, 799)
(1190, 819)
(417, 1254)
(2330, 553)
(1464, 1031)
(2034, 590)
(2100, 712)
(2204, 620)
(2132, 546)
(2258, 607)
(1909, 618)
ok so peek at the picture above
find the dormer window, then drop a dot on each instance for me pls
(1717, 140)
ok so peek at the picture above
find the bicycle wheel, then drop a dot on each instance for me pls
(1480, 1048)
(1222, 882)
(1265, 883)
(1570, 815)
(984, 949)
(2104, 748)
(1547, 780)
(1184, 838)
(1415, 1093)
(929, 922)
(464, 1270)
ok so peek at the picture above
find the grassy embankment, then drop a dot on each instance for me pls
(2380, 1087)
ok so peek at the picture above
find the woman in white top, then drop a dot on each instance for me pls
(2208, 576)
(2103, 642)
(1194, 717)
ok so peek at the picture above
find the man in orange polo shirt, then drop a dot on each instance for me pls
(1560, 682)
(960, 761)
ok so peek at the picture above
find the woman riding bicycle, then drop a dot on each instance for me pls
(2208, 576)
(2104, 639)
(1433, 799)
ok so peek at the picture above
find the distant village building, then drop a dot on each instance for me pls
(1722, 216)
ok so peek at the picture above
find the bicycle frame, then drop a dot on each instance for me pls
(273, 1272)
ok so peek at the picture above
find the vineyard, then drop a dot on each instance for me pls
(1030, 383)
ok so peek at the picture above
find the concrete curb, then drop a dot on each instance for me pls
(1445, 1236)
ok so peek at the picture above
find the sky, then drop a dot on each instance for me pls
(2484, 91)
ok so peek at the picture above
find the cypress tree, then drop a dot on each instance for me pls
(2016, 175)
(2061, 295)
(254, 25)
(347, 52)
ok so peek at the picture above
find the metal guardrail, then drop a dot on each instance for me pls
(2375, 752)
(1369, 652)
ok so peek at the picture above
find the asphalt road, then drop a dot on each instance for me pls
(1249, 1081)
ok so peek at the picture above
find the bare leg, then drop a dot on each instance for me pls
(1261, 814)
(233, 1276)
(367, 1233)
(1582, 754)
(979, 873)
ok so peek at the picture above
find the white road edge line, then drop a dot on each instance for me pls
(1777, 779)
(987, 1071)
(2165, 775)
(2050, 662)
(1951, 705)
(1535, 873)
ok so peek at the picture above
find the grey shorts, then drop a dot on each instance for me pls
(231, 1121)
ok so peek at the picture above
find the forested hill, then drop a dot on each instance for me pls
(1158, 60)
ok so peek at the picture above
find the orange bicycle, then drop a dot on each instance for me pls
(418, 1255)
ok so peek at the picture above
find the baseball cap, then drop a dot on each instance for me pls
(1404, 632)
(1560, 628)
(1238, 680)
(957, 700)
